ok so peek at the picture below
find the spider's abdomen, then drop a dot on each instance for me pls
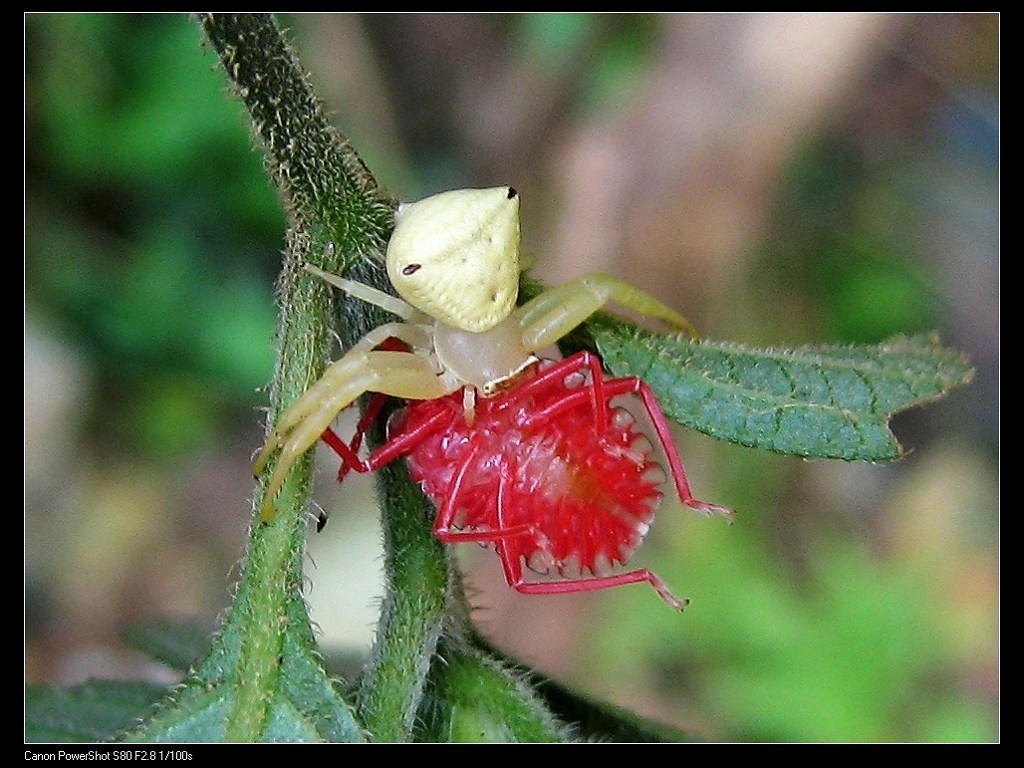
(582, 494)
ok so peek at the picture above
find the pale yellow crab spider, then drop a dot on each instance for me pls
(454, 260)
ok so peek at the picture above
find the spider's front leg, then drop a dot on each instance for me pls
(363, 369)
(555, 313)
(349, 452)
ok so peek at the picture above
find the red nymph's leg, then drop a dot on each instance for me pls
(512, 563)
(589, 584)
(349, 454)
(397, 446)
(556, 374)
(450, 507)
(634, 385)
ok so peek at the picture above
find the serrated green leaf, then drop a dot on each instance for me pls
(830, 402)
(90, 712)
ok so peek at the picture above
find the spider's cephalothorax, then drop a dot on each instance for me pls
(454, 261)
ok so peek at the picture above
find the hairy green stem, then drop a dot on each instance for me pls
(330, 198)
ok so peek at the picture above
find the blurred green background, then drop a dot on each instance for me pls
(781, 179)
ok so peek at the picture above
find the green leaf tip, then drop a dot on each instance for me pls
(831, 401)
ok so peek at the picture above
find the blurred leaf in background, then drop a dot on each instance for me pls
(144, 208)
(781, 179)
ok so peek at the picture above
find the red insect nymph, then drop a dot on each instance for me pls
(551, 474)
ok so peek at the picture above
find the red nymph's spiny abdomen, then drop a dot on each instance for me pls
(587, 492)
